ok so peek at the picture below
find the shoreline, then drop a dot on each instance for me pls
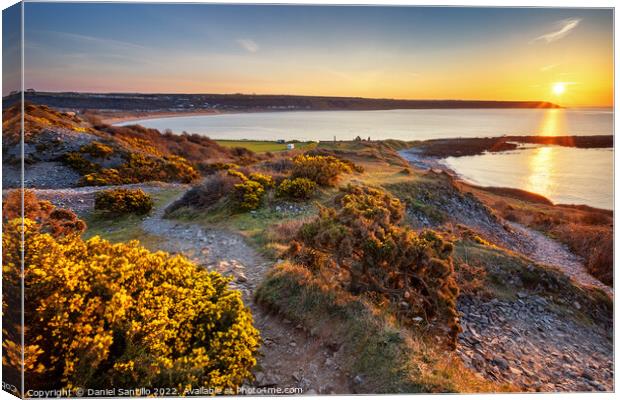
(129, 117)
(434, 164)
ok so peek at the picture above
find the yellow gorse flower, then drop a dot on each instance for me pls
(117, 315)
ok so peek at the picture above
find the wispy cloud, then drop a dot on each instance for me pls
(562, 29)
(548, 67)
(91, 40)
(249, 45)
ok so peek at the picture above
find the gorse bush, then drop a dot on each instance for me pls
(237, 174)
(97, 150)
(79, 163)
(324, 170)
(297, 188)
(123, 201)
(170, 168)
(117, 315)
(104, 177)
(137, 168)
(56, 221)
(265, 180)
(249, 194)
(361, 239)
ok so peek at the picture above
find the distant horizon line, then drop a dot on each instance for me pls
(557, 105)
(276, 94)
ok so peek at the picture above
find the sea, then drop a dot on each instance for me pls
(564, 175)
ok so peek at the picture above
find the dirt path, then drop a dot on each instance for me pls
(81, 200)
(545, 250)
(289, 356)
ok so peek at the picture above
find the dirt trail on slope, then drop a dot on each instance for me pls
(289, 357)
(545, 250)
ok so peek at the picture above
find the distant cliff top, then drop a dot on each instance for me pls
(245, 102)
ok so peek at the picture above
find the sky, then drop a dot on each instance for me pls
(384, 52)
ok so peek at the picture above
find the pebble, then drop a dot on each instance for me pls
(526, 345)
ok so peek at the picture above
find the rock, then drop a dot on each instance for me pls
(577, 305)
(587, 375)
(358, 380)
(297, 376)
(293, 344)
(500, 362)
(478, 360)
(515, 371)
(241, 277)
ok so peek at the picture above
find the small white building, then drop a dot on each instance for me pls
(290, 146)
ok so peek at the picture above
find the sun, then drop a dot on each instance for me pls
(559, 88)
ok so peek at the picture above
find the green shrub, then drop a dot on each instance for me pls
(123, 201)
(298, 188)
(97, 150)
(249, 194)
(324, 170)
(362, 237)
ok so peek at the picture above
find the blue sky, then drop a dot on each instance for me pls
(408, 52)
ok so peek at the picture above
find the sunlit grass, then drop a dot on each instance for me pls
(259, 146)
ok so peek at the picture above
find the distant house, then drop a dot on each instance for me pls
(290, 146)
(281, 141)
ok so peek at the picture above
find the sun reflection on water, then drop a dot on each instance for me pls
(553, 123)
(541, 164)
(540, 168)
